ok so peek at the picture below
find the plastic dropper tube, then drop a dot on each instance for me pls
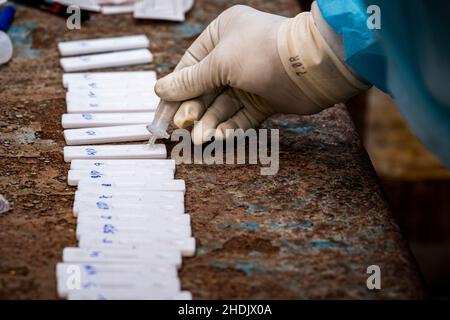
(163, 115)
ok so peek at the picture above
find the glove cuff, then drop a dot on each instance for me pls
(312, 65)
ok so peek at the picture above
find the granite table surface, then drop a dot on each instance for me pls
(308, 232)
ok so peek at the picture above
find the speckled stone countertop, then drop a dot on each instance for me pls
(308, 232)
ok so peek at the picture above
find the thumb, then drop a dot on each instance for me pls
(191, 82)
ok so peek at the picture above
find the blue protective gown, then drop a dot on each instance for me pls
(408, 57)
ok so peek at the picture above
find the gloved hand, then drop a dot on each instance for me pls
(248, 65)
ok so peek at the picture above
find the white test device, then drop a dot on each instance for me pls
(100, 135)
(104, 255)
(89, 217)
(90, 269)
(80, 47)
(185, 246)
(85, 164)
(106, 207)
(135, 197)
(120, 185)
(106, 60)
(128, 151)
(102, 79)
(126, 294)
(148, 230)
(74, 176)
(127, 282)
(93, 120)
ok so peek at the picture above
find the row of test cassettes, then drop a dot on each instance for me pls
(132, 229)
(172, 10)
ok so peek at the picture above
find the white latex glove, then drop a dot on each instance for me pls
(248, 65)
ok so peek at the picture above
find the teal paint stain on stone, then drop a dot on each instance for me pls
(188, 30)
(252, 208)
(325, 244)
(207, 246)
(21, 37)
(302, 226)
(281, 123)
(165, 67)
(217, 265)
(291, 226)
(292, 246)
(302, 129)
(224, 225)
(249, 268)
(252, 226)
(299, 203)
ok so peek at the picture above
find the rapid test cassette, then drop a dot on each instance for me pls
(172, 10)
(124, 294)
(140, 218)
(105, 85)
(125, 8)
(106, 79)
(136, 185)
(185, 246)
(79, 47)
(107, 94)
(101, 135)
(91, 269)
(127, 282)
(135, 197)
(162, 164)
(160, 199)
(112, 105)
(129, 151)
(93, 120)
(106, 60)
(100, 175)
(104, 206)
(121, 256)
(148, 230)
(90, 5)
